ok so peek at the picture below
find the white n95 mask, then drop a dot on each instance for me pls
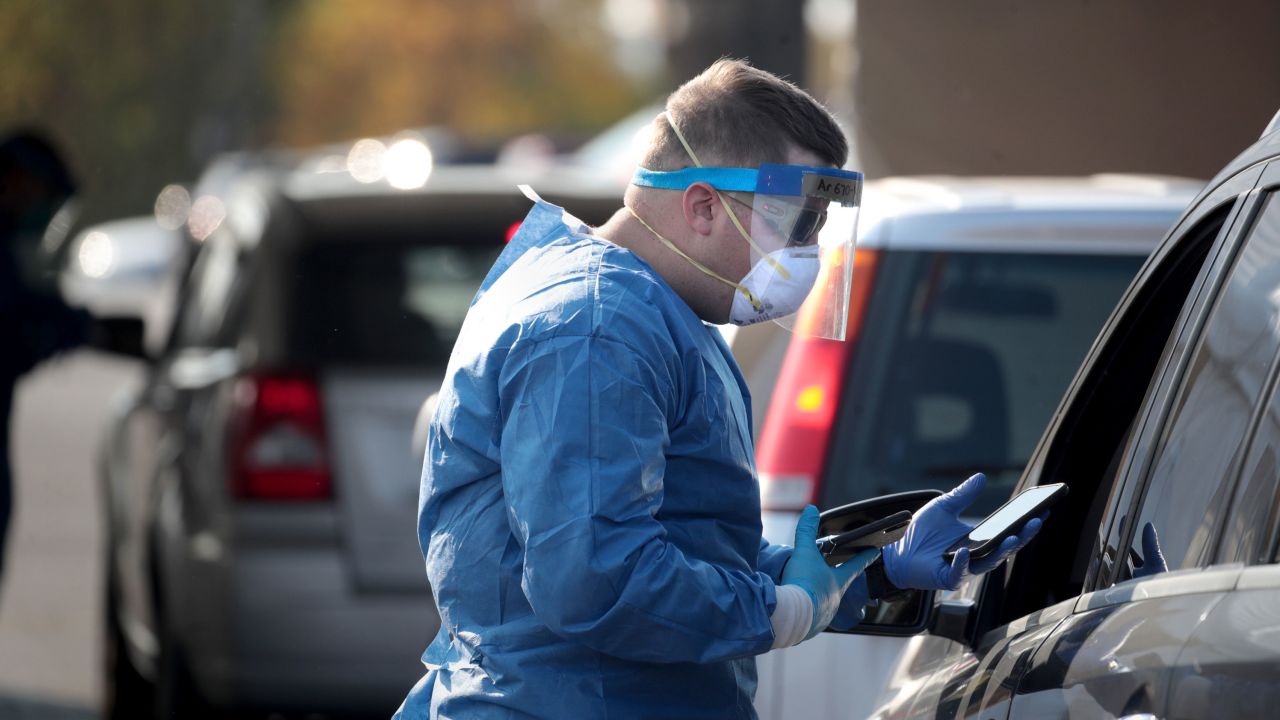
(779, 282)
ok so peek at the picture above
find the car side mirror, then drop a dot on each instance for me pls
(900, 613)
(954, 619)
(120, 336)
(903, 613)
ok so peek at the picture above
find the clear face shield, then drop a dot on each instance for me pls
(804, 223)
(803, 227)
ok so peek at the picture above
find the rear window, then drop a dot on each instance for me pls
(961, 361)
(385, 303)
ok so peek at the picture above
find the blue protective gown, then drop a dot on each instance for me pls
(589, 510)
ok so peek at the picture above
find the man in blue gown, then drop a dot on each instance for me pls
(589, 510)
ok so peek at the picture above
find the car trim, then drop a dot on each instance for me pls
(1051, 615)
(1191, 581)
(1259, 577)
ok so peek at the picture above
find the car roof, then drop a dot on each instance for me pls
(1098, 214)
(330, 200)
(1267, 148)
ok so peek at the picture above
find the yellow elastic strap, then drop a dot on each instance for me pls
(685, 143)
(777, 266)
(740, 288)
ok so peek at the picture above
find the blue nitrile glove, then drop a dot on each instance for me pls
(808, 570)
(917, 561)
(852, 604)
(1153, 562)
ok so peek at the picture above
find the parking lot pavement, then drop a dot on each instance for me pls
(50, 609)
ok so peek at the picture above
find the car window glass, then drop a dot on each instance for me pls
(390, 303)
(968, 354)
(214, 274)
(1205, 435)
(1251, 531)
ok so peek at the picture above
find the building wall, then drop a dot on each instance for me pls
(1062, 87)
(768, 33)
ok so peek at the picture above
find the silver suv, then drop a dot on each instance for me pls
(261, 490)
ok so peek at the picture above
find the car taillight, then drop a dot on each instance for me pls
(802, 411)
(278, 448)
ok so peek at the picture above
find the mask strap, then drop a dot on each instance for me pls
(737, 286)
(685, 143)
(777, 266)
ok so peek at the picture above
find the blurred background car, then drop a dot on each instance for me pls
(118, 271)
(974, 301)
(260, 489)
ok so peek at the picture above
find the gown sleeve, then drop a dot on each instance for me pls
(773, 558)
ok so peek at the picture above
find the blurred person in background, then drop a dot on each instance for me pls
(35, 322)
(589, 511)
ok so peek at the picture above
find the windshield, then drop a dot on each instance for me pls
(388, 304)
(962, 360)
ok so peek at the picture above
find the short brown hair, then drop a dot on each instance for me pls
(736, 115)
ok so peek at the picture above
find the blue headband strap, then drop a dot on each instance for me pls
(740, 179)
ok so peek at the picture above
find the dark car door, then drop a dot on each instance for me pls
(1119, 653)
(1230, 666)
(1089, 444)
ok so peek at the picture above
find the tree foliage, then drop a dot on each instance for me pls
(485, 69)
(141, 93)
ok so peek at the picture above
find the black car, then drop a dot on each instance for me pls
(1153, 589)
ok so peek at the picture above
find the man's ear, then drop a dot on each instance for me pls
(700, 206)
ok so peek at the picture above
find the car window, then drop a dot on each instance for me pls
(1090, 441)
(963, 358)
(1204, 437)
(216, 271)
(386, 303)
(1252, 528)
(1251, 531)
